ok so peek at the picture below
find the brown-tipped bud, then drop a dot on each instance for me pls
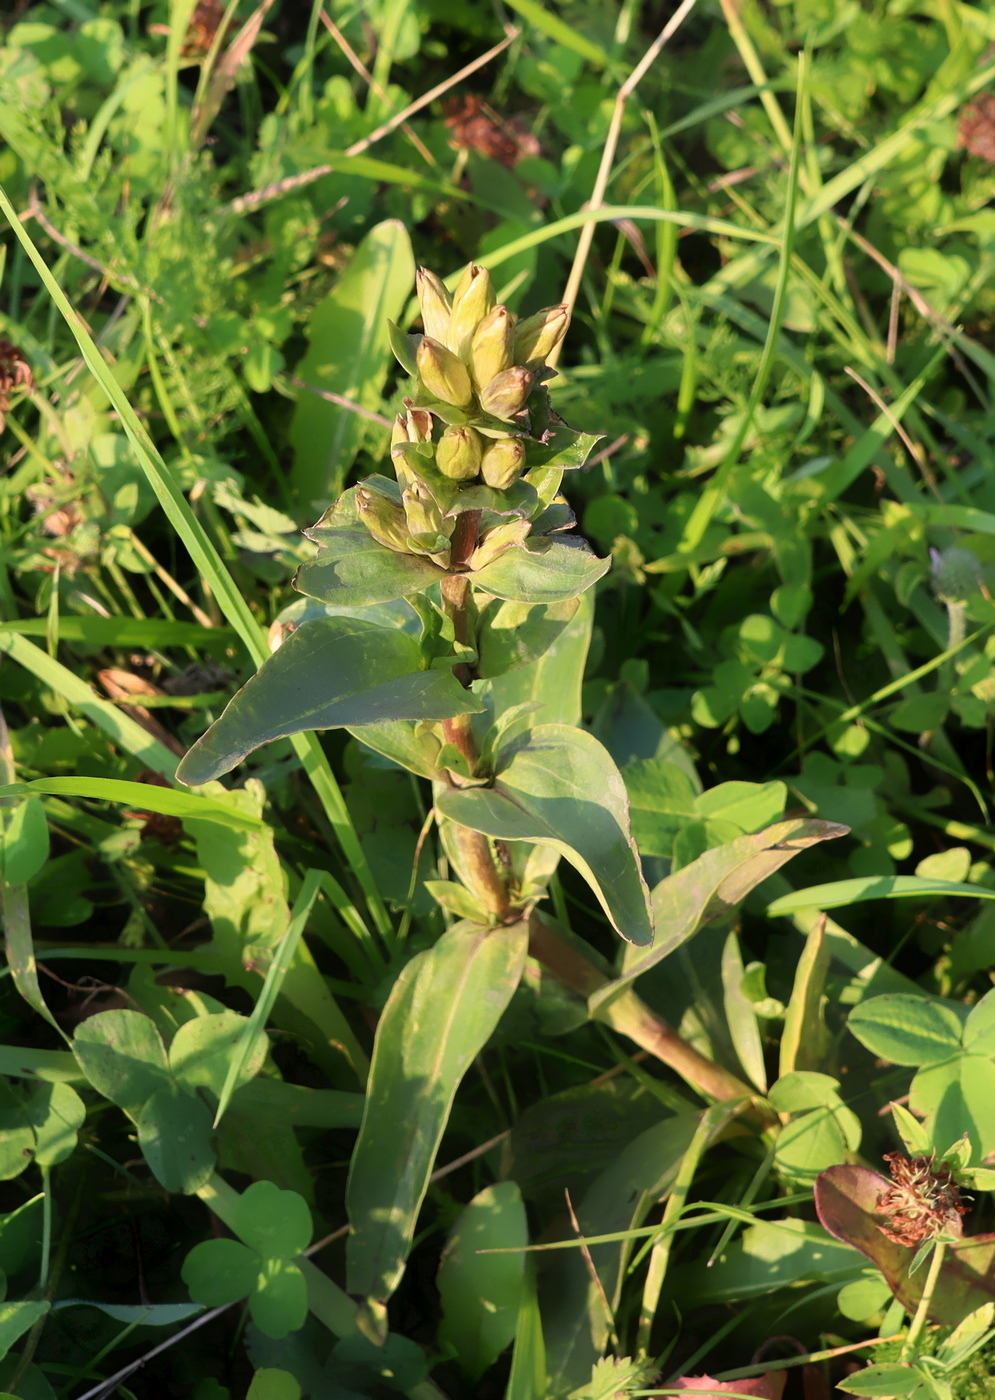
(505, 394)
(435, 302)
(399, 431)
(490, 348)
(472, 299)
(444, 376)
(502, 462)
(538, 335)
(458, 453)
(496, 541)
(424, 518)
(385, 521)
(419, 423)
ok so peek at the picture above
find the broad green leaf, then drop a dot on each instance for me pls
(800, 1090)
(331, 672)
(122, 1055)
(16, 1319)
(882, 1380)
(278, 1303)
(218, 1272)
(17, 1137)
(202, 1049)
(440, 1014)
(863, 1298)
(273, 1384)
(662, 800)
(174, 1133)
(352, 570)
(150, 1315)
(20, 1235)
(510, 635)
(56, 1112)
(564, 448)
(554, 680)
(907, 1030)
(559, 786)
(979, 1029)
(276, 1224)
(842, 892)
(956, 1096)
(711, 886)
(541, 571)
(816, 1140)
(349, 355)
(481, 1293)
(24, 838)
(749, 805)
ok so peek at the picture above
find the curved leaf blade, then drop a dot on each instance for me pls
(331, 672)
(542, 571)
(841, 892)
(440, 1013)
(559, 786)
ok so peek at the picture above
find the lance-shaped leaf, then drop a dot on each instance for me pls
(563, 447)
(846, 1200)
(542, 570)
(510, 635)
(559, 786)
(353, 570)
(440, 1014)
(711, 886)
(331, 672)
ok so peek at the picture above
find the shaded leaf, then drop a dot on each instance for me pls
(122, 1055)
(351, 569)
(559, 786)
(278, 1303)
(174, 1133)
(846, 1200)
(906, 1030)
(510, 635)
(440, 1013)
(542, 571)
(331, 672)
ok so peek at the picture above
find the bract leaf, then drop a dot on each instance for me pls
(559, 786)
(440, 1013)
(331, 672)
(352, 569)
(542, 570)
(711, 886)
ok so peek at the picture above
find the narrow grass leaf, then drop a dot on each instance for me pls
(839, 893)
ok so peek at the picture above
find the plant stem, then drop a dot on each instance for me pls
(922, 1311)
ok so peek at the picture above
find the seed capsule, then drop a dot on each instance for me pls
(490, 348)
(472, 299)
(435, 302)
(458, 454)
(538, 335)
(502, 462)
(505, 394)
(444, 376)
(385, 521)
(499, 539)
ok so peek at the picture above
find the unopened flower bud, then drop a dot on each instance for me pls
(502, 462)
(410, 465)
(472, 299)
(458, 454)
(435, 302)
(444, 376)
(421, 511)
(385, 521)
(505, 394)
(490, 348)
(419, 423)
(538, 335)
(496, 541)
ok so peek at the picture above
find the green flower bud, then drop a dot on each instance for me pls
(505, 394)
(435, 302)
(443, 375)
(414, 425)
(458, 454)
(409, 464)
(385, 521)
(428, 531)
(472, 299)
(502, 462)
(496, 541)
(538, 335)
(490, 348)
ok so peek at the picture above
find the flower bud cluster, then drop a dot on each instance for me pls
(476, 366)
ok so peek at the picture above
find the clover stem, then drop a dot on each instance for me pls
(922, 1311)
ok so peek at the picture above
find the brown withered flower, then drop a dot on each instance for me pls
(976, 127)
(15, 373)
(477, 127)
(922, 1201)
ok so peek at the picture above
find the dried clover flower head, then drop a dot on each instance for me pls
(15, 373)
(922, 1201)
